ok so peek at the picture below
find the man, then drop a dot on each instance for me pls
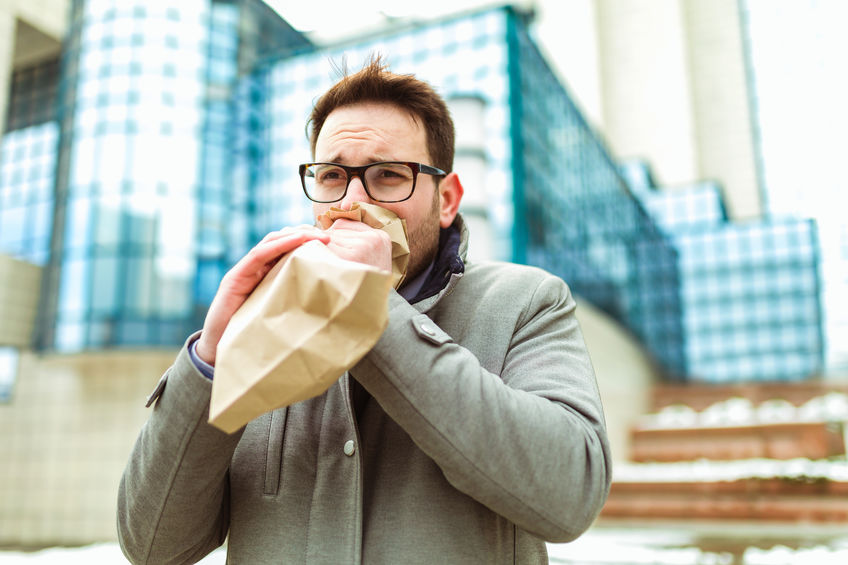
(471, 433)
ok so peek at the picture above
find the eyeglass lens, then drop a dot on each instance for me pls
(385, 182)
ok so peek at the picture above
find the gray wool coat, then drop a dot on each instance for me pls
(481, 437)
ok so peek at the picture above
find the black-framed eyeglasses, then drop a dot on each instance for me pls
(384, 181)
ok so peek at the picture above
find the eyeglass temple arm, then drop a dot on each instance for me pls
(427, 169)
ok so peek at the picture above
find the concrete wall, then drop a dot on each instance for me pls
(626, 375)
(49, 16)
(66, 436)
(19, 289)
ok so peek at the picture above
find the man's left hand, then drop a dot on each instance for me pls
(358, 242)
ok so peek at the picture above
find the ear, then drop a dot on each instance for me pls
(450, 194)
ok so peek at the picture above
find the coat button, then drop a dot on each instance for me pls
(349, 448)
(427, 329)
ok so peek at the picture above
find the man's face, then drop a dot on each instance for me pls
(369, 132)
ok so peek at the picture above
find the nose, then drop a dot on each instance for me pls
(355, 193)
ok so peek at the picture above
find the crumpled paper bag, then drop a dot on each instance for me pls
(379, 218)
(312, 317)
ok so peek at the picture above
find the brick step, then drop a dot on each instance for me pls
(700, 396)
(783, 440)
(773, 500)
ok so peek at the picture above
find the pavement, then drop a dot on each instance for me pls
(671, 545)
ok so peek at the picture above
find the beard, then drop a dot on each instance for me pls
(424, 241)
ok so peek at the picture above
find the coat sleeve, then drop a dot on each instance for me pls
(173, 496)
(528, 442)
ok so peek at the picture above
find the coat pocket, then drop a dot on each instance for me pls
(274, 453)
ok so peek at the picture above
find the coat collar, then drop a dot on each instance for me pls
(448, 266)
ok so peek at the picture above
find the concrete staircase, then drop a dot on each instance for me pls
(745, 453)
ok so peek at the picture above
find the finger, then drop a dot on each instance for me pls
(289, 238)
(304, 228)
(351, 242)
(267, 252)
(371, 235)
(345, 224)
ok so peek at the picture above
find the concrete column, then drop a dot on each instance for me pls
(723, 124)
(647, 98)
(468, 113)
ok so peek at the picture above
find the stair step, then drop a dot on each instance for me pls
(784, 440)
(778, 500)
(700, 396)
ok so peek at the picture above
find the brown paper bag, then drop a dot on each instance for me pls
(379, 218)
(312, 317)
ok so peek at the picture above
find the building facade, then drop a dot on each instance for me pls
(171, 144)
(162, 141)
(749, 291)
(746, 94)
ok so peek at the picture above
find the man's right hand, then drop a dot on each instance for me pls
(244, 277)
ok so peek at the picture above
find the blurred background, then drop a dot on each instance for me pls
(680, 163)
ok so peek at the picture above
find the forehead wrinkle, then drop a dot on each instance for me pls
(344, 136)
(351, 136)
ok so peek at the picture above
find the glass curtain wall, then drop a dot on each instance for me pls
(577, 218)
(750, 292)
(28, 163)
(143, 199)
(242, 35)
(132, 102)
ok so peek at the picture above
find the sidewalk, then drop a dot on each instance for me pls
(599, 546)
(98, 554)
(717, 543)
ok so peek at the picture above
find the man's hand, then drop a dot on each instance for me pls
(358, 242)
(244, 277)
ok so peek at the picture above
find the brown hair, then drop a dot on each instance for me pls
(375, 83)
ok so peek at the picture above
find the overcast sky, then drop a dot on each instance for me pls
(343, 19)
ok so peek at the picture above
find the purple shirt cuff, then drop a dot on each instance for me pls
(202, 366)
